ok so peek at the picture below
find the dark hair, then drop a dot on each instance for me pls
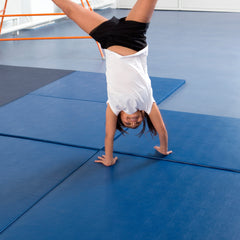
(146, 119)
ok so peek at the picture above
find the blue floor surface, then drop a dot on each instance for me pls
(29, 170)
(140, 199)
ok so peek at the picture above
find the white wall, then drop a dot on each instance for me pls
(170, 4)
(218, 5)
(37, 6)
(22, 7)
(165, 4)
(198, 5)
(13, 6)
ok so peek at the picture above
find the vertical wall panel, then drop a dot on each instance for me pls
(164, 4)
(168, 4)
(13, 6)
(198, 5)
(218, 5)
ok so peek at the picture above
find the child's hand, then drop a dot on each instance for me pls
(106, 161)
(162, 151)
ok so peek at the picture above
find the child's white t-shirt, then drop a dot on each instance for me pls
(128, 84)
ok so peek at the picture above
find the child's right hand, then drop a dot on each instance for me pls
(106, 161)
(162, 151)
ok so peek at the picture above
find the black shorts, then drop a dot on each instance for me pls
(130, 34)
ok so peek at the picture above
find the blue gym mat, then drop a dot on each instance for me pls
(78, 123)
(91, 86)
(194, 138)
(137, 199)
(29, 170)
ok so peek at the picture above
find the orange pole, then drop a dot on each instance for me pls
(33, 14)
(100, 50)
(45, 38)
(98, 44)
(82, 3)
(89, 5)
(3, 11)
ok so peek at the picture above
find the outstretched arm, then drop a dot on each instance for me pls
(111, 122)
(159, 125)
(87, 20)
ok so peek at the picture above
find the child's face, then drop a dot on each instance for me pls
(132, 120)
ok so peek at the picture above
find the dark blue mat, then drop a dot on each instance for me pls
(92, 87)
(137, 199)
(30, 169)
(16, 82)
(194, 138)
(80, 123)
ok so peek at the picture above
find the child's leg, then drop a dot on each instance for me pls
(87, 20)
(142, 11)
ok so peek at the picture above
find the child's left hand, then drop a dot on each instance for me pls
(106, 161)
(162, 151)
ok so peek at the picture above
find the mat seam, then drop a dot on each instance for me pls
(181, 162)
(125, 153)
(49, 141)
(72, 99)
(45, 195)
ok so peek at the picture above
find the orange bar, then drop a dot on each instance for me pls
(82, 3)
(33, 14)
(89, 5)
(4, 10)
(43, 14)
(44, 38)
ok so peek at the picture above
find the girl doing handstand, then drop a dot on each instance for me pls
(130, 99)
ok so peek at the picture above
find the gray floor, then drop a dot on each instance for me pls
(201, 47)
